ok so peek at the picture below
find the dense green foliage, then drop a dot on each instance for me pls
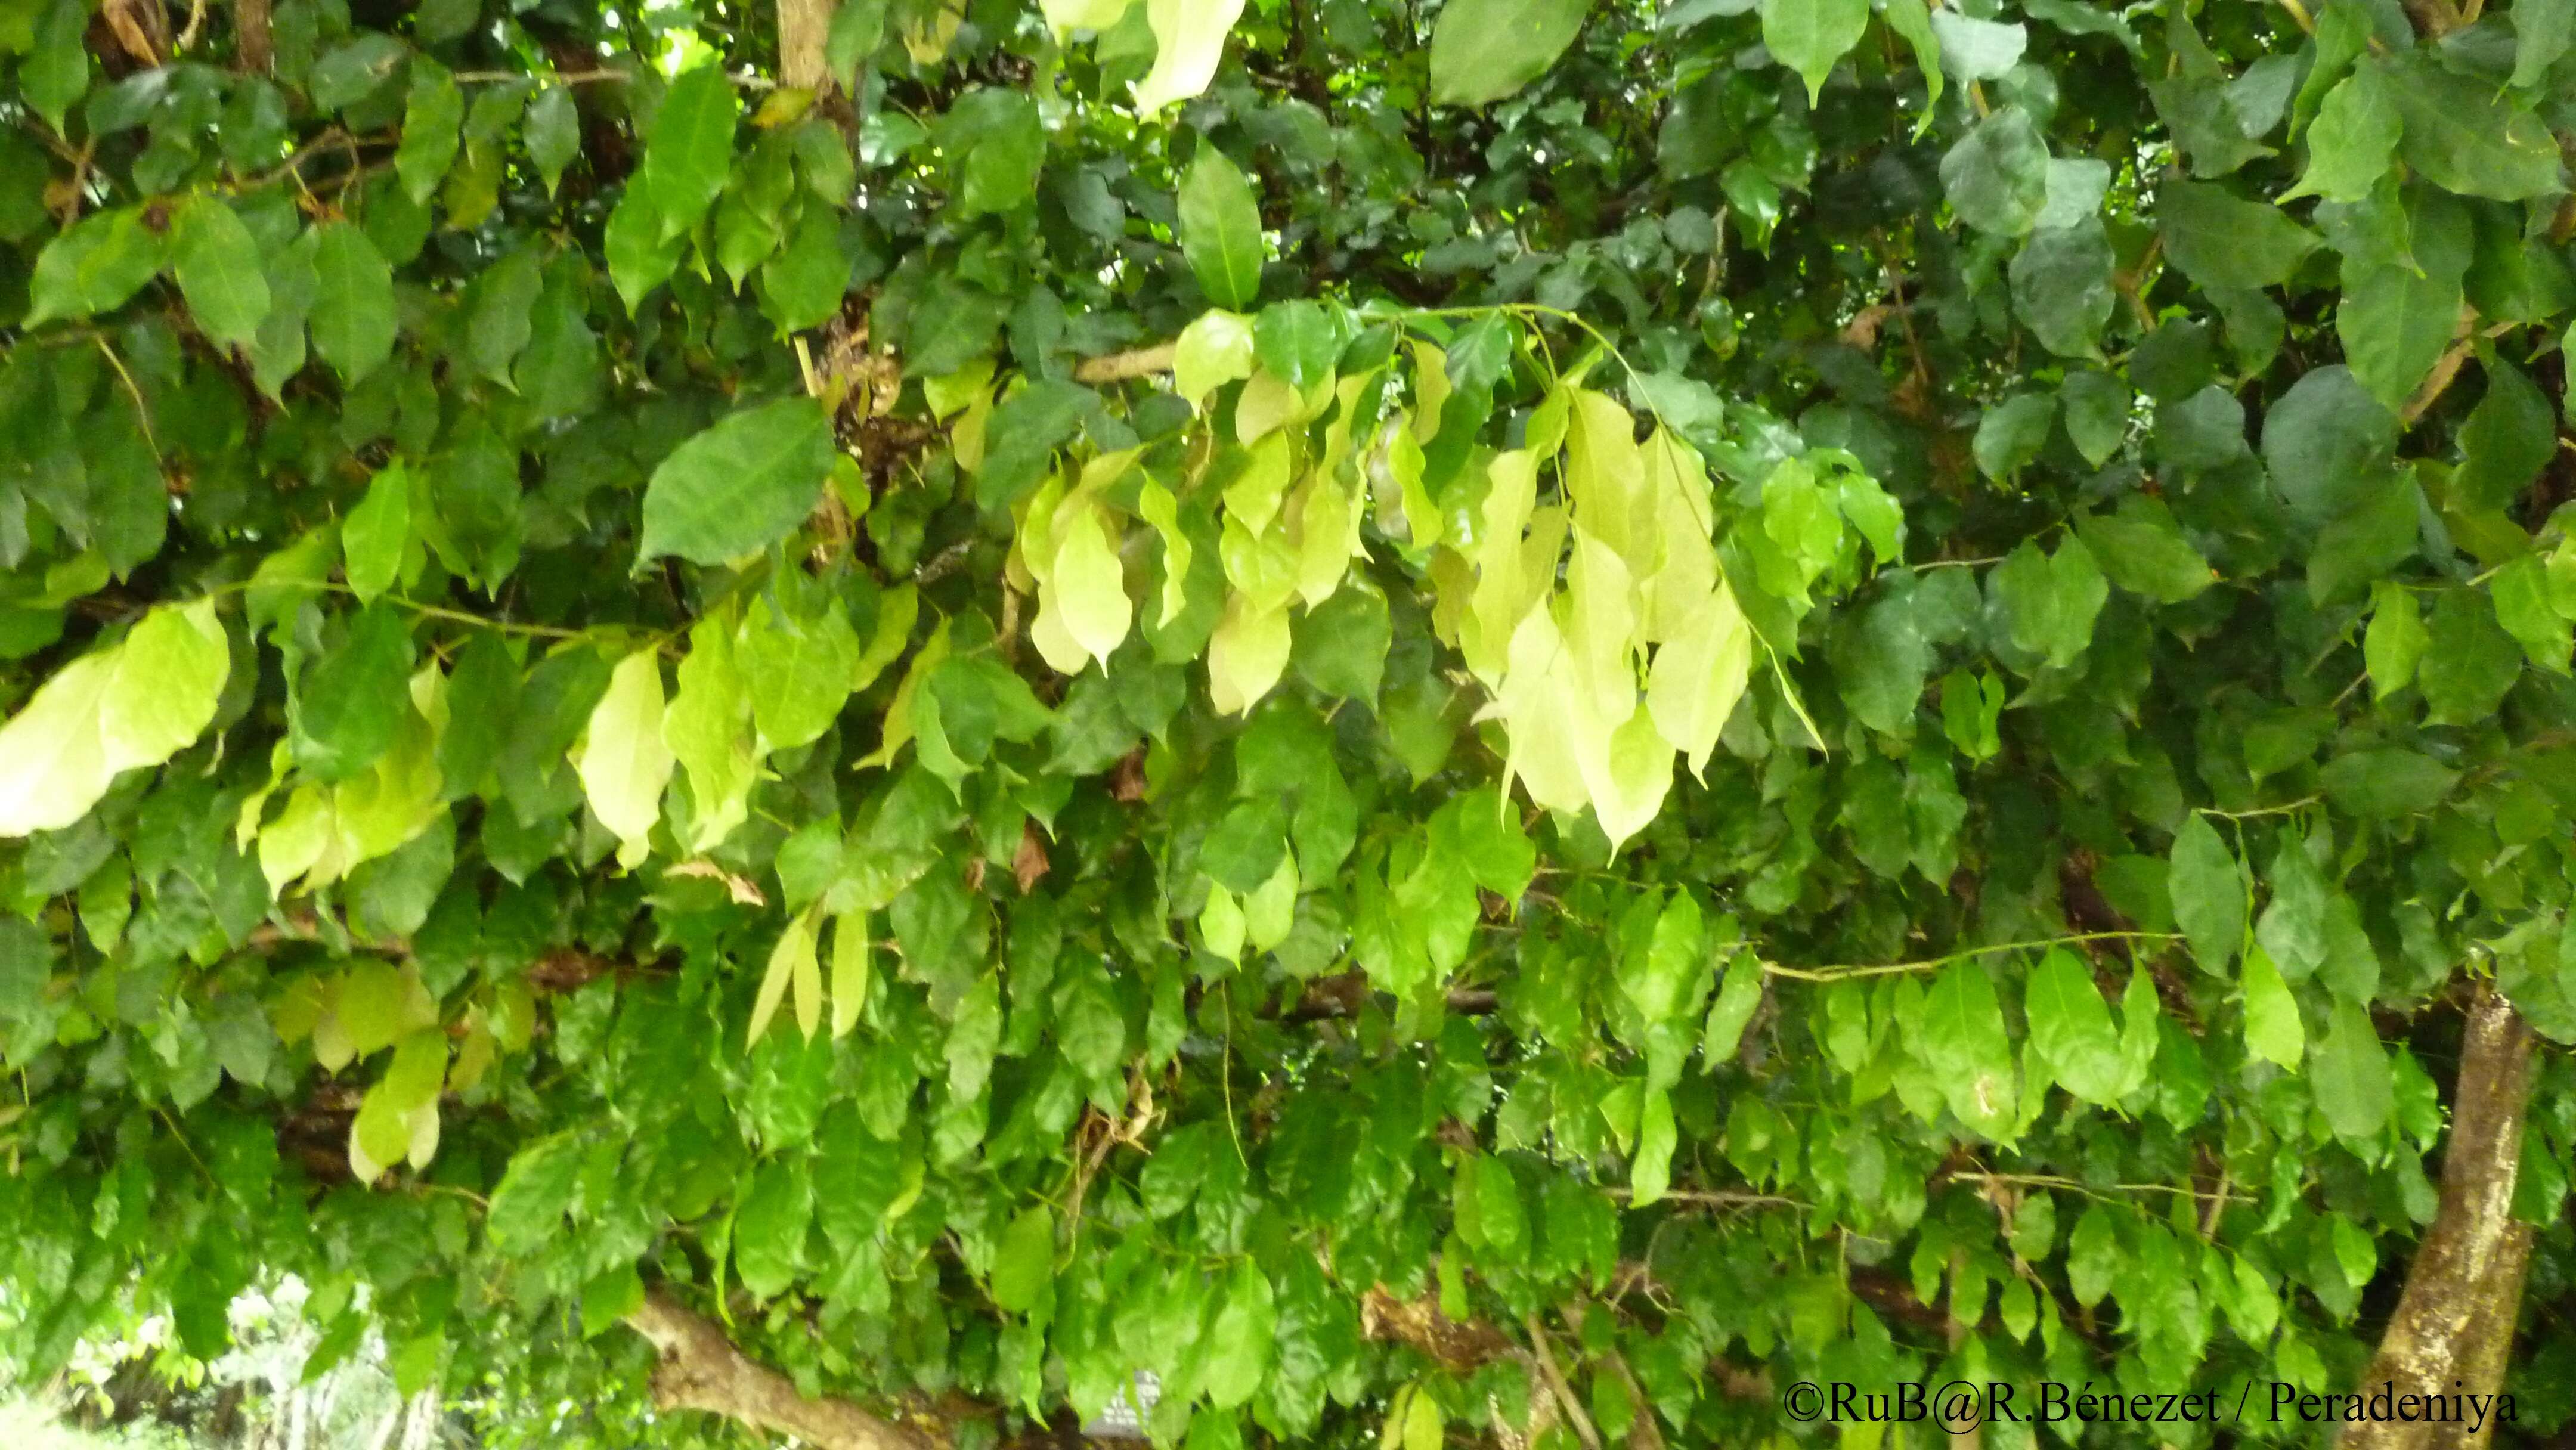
(599, 698)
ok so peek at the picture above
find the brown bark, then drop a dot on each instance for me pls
(702, 1370)
(803, 27)
(251, 42)
(1118, 367)
(2453, 1329)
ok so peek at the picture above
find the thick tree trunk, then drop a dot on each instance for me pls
(2453, 1329)
(803, 26)
(701, 1370)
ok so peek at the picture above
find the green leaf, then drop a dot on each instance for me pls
(349, 704)
(691, 150)
(1298, 342)
(534, 1194)
(2096, 407)
(800, 672)
(2223, 241)
(2071, 1026)
(353, 304)
(1341, 644)
(2350, 1073)
(997, 144)
(2464, 136)
(2542, 32)
(770, 1227)
(1024, 1262)
(622, 760)
(93, 266)
(2384, 784)
(2327, 444)
(431, 118)
(2292, 929)
(2272, 1028)
(2061, 286)
(1997, 175)
(2395, 641)
(2011, 434)
(741, 485)
(1964, 1044)
(2143, 550)
(2208, 891)
(1810, 36)
(217, 264)
(2469, 661)
(1978, 50)
(1727, 1016)
(2052, 600)
(2354, 138)
(1240, 1338)
(552, 131)
(1484, 50)
(2510, 436)
(2520, 592)
(1221, 230)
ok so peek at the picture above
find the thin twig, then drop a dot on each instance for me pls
(1930, 964)
(1556, 1385)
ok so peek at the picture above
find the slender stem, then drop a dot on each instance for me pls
(1931, 964)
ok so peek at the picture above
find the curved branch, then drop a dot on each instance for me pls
(702, 1370)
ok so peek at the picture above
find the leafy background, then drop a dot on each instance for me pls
(1004, 695)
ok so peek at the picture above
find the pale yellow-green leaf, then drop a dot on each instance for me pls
(1091, 584)
(1637, 772)
(1221, 924)
(1263, 567)
(53, 761)
(954, 392)
(1327, 536)
(1033, 541)
(170, 672)
(788, 960)
(708, 728)
(1685, 566)
(1505, 589)
(1266, 404)
(1162, 511)
(809, 984)
(1543, 712)
(1605, 475)
(294, 843)
(1271, 909)
(1252, 500)
(1246, 656)
(623, 762)
(850, 970)
(1602, 616)
(423, 1135)
(1066, 16)
(1430, 388)
(1215, 349)
(1189, 39)
(1698, 675)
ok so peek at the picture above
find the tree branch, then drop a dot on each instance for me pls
(2453, 1329)
(1119, 367)
(702, 1370)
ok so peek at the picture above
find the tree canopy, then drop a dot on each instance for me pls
(1491, 722)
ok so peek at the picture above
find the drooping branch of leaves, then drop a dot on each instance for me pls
(1803, 691)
